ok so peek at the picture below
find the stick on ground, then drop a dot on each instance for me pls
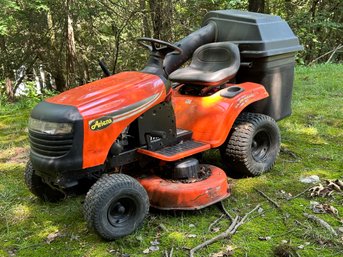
(301, 193)
(321, 222)
(225, 211)
(236, 223)
(268, 198)
(215, 222)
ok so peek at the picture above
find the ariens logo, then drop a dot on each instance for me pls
(100, 123)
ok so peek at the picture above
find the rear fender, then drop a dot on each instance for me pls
(212, 117)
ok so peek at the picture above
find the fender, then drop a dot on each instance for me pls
(212, 117)
(109, 105)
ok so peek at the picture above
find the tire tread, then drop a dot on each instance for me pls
(103, 189)
(235, 152)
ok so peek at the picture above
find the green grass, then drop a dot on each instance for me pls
(312, 142)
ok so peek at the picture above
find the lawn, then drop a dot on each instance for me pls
(312, 144)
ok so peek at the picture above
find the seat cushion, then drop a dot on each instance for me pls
(212, 64)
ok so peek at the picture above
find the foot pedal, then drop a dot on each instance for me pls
(178, 151)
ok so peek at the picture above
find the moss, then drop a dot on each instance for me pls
(312, 142)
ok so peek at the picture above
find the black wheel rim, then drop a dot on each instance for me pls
(260, 146)
(121, 211)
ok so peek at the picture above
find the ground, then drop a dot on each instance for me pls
(312, 143)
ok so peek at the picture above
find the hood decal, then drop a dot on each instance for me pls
(100, 123)
(124, 113)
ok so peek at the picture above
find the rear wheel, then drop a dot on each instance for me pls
(252, 145)
(116, 205)
(39, 188)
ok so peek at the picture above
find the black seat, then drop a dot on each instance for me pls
(212, 64)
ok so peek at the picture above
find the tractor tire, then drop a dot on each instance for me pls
(115, 206)
(252, 145)
(39, 188)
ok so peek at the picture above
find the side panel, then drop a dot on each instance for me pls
(211, 117)
(98, 142)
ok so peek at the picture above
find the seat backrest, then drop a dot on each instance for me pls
(212, 64)
(216, 56)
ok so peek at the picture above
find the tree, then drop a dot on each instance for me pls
(68, 37)
(256, 6)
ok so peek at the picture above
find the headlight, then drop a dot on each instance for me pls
(52, 128)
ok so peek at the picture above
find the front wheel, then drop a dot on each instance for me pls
(116, 205)
(252, 145)
(39, 188)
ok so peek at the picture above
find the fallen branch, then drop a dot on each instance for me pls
(321, 222)
(333, 53)
(327, 53)
(169, 254)
(215, 222)
(301, 193)
(225, 211)
(236, 223)
(301, 224)
(268, 198)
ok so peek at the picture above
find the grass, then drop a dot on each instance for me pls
(312, 143)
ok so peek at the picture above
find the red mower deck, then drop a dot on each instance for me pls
(176, 195)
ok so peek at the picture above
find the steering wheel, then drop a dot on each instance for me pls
(160, 46)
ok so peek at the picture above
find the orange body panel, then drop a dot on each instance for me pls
(105, 97)
(210, 118)
(176, 156)
(166, 194)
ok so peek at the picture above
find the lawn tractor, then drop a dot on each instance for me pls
(135, 139)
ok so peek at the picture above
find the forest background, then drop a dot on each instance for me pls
(56, 45)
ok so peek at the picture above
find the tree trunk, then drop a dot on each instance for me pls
(60, 81)
(51, 28)
(288, 9)
(156, 17)
(71, 49)
(86, 76)
(9, 89)
(167, 26)
(7, 69)
(56, 69)
(145, 23)
(311, 53)
(162, 19)
(256, 6)
(42, 76)
(38, 82)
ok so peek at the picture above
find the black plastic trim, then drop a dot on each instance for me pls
(231, 92)
(52, 155)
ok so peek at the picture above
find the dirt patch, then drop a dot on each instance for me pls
(15, 155)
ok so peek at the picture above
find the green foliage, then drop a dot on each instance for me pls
(35, 32)
(312, 143)
(26, 101)
(318, 24)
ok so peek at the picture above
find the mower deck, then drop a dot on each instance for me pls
(168, 194)
(178, 151)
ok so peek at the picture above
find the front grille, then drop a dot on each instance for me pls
(50, 145)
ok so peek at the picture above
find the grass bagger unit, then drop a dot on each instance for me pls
(135, 139)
